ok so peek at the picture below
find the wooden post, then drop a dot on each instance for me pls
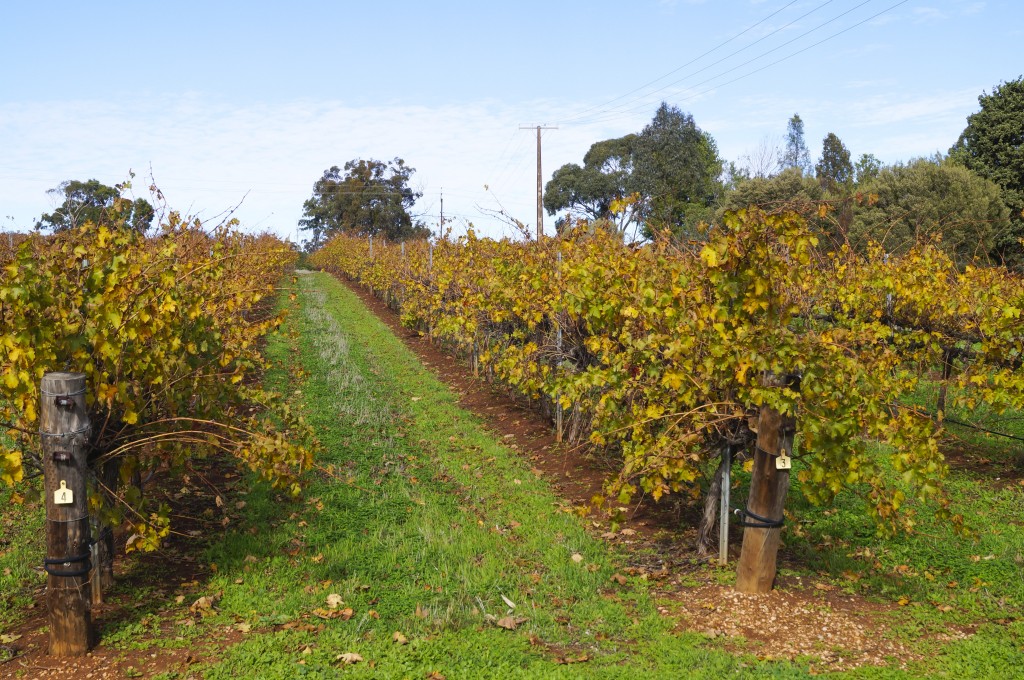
(769, 483)
(64, 429)
(558, 340)
(103, 539)
(724, 472)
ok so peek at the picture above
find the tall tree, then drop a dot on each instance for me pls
(93, 201)
(676, 171)
(796, 155)
(992, 145)
(371, 198)
(764, 160)
(834, 169)
(930, 198)
(867, 167)
(590, 190)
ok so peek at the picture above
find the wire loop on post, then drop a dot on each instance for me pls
(82, 571)
(759, 521)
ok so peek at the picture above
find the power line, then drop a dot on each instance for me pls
(620, 114)
(701, 56)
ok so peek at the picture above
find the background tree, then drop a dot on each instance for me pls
(676, 171)
(867, 167)
(834, 169)
(589, 191)
(371, 198)
(787, 191)
(93, 201)
(930, 198)
(764, 160)
(992, 145)
(796, 155)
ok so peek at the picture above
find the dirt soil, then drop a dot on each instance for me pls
(159, 615)
(800, 618)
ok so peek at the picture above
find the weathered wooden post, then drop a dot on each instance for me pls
(725, 475)
(763, 517)
(558, 342)
(64, 430)
(103, 538)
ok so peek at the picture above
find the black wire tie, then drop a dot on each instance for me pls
(759, 521)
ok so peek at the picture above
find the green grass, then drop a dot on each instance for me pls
(429, 522)
(423, 523)
(22, 545)
(947, 584)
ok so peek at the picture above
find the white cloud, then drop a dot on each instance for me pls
(207, 155)
(929, 14)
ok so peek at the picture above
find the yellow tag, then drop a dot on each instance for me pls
(63, 495)
(783, 463)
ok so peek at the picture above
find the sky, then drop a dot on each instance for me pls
(231, 106)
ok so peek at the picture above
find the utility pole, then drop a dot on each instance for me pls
(442, 210)
(540, 178)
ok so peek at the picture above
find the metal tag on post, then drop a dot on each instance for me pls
(63, 495)
(783, 463)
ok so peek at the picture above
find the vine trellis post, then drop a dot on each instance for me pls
(64, 430)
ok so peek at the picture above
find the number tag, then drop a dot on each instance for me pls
(783, 463)
(63, 495)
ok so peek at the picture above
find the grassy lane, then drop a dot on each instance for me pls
(419, 525)
(429, 531)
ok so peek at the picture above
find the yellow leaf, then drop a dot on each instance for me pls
(710, 256)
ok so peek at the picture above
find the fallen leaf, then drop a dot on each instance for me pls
(577, 558)
(399, 638)
(416, 398)
(239, 505)
(510, 623)
(509, 602)
(348, 658)
(7, 639)
(373, 614)
(334, 601)
(434, 675)
(628, 532)
(421, 613)
(307, 650)
(203, 605)
(243, 627)
(572, 659)
(619, 578)
(903, 601)
(343, 614)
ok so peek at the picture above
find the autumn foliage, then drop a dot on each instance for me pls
(167, 330)
(663, 354)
